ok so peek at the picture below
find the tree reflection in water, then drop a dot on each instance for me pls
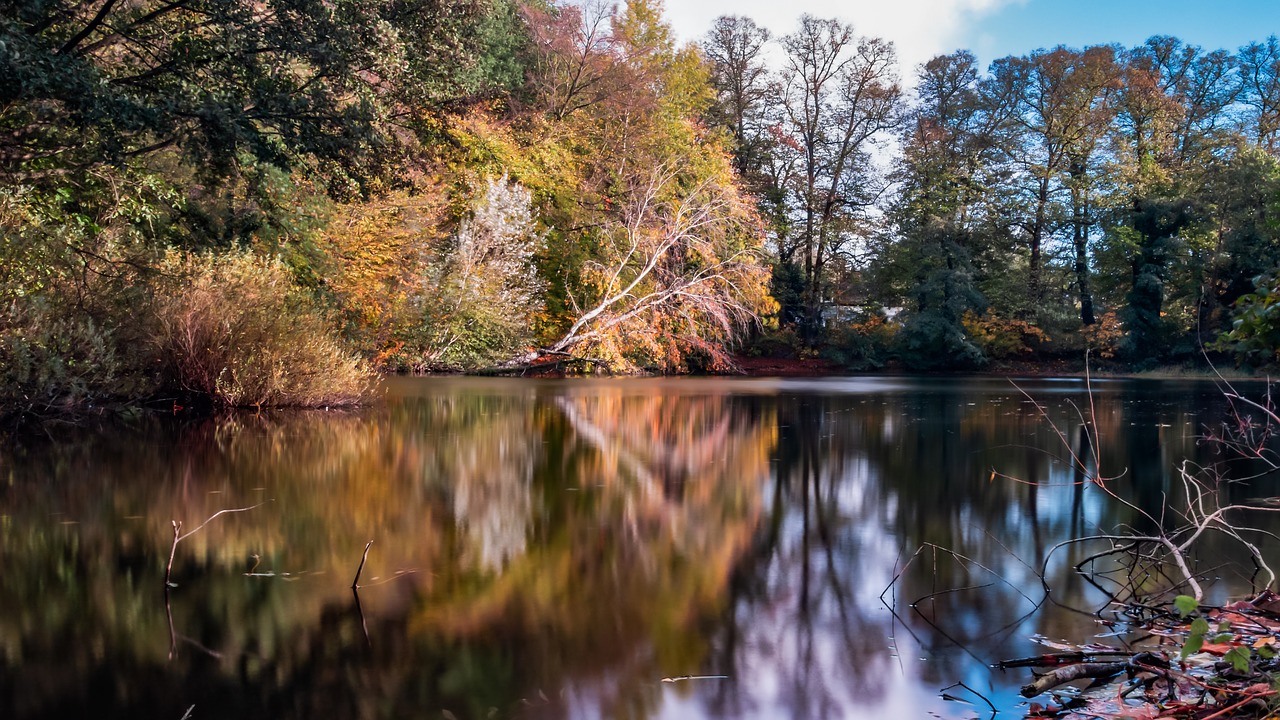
(557, 549)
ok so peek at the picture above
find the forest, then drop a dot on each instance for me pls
(269, 202)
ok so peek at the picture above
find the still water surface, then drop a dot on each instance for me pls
(547, 549)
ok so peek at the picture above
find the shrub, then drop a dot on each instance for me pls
(1254, 337)
(234, 329)
(776, 342)
(935, 340)
(54, 356)
(861, 345)
(1000, 338)
(1105, 336)
(69, 295)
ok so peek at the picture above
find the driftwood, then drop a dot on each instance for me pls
(1067, 673)
(1065, 667)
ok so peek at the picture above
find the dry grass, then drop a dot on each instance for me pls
(233, 328)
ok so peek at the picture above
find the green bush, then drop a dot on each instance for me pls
(933, 341)
(776, 342)
(862, 345)
(55, 356)
(65, 288)
(1254, 337)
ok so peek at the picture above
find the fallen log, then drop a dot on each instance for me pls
(1067, 673)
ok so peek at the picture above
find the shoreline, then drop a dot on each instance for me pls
(800, 367)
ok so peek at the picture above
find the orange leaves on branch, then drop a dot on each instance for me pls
(379, 248)
(1104, 336)
(999, 337)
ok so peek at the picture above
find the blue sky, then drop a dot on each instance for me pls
(1212, 24)
(995, 28)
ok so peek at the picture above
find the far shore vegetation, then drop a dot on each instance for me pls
(268, 203)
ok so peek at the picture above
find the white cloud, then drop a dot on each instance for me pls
(920, 29)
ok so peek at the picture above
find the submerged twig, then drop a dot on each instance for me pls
(984, 698)
(364, 626)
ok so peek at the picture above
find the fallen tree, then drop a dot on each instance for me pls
(679, 275)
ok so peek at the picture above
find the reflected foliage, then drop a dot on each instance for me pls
(547, 549)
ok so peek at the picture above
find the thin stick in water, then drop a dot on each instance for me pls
(173, 549)
(355, 584)
(178, 537)
(694, 677)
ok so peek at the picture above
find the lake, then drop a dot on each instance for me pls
(636, 548)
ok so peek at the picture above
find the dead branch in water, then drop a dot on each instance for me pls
(1061, 673)
(178, 536)
(355, 584)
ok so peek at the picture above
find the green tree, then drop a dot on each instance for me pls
(1241, 192)
(1254, 336)
(929, 261)
(1155, 239)
(285, 81)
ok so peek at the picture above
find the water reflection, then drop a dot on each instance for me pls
(840, 548)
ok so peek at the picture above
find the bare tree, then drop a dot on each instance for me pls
(841, 95)
(743, 86)
(1260, 73)
(575, 53)
(1064, 105)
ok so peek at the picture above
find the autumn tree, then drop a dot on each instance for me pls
(651, 251)
(575, 65)
(1172, 110)
(1172, 122)
(678, 278)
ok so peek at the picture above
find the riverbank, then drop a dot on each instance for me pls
(1183, 669)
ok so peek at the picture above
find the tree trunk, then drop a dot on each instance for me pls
(1079, 212)
(1035, 292)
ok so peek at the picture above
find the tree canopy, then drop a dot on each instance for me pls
(469, 184)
